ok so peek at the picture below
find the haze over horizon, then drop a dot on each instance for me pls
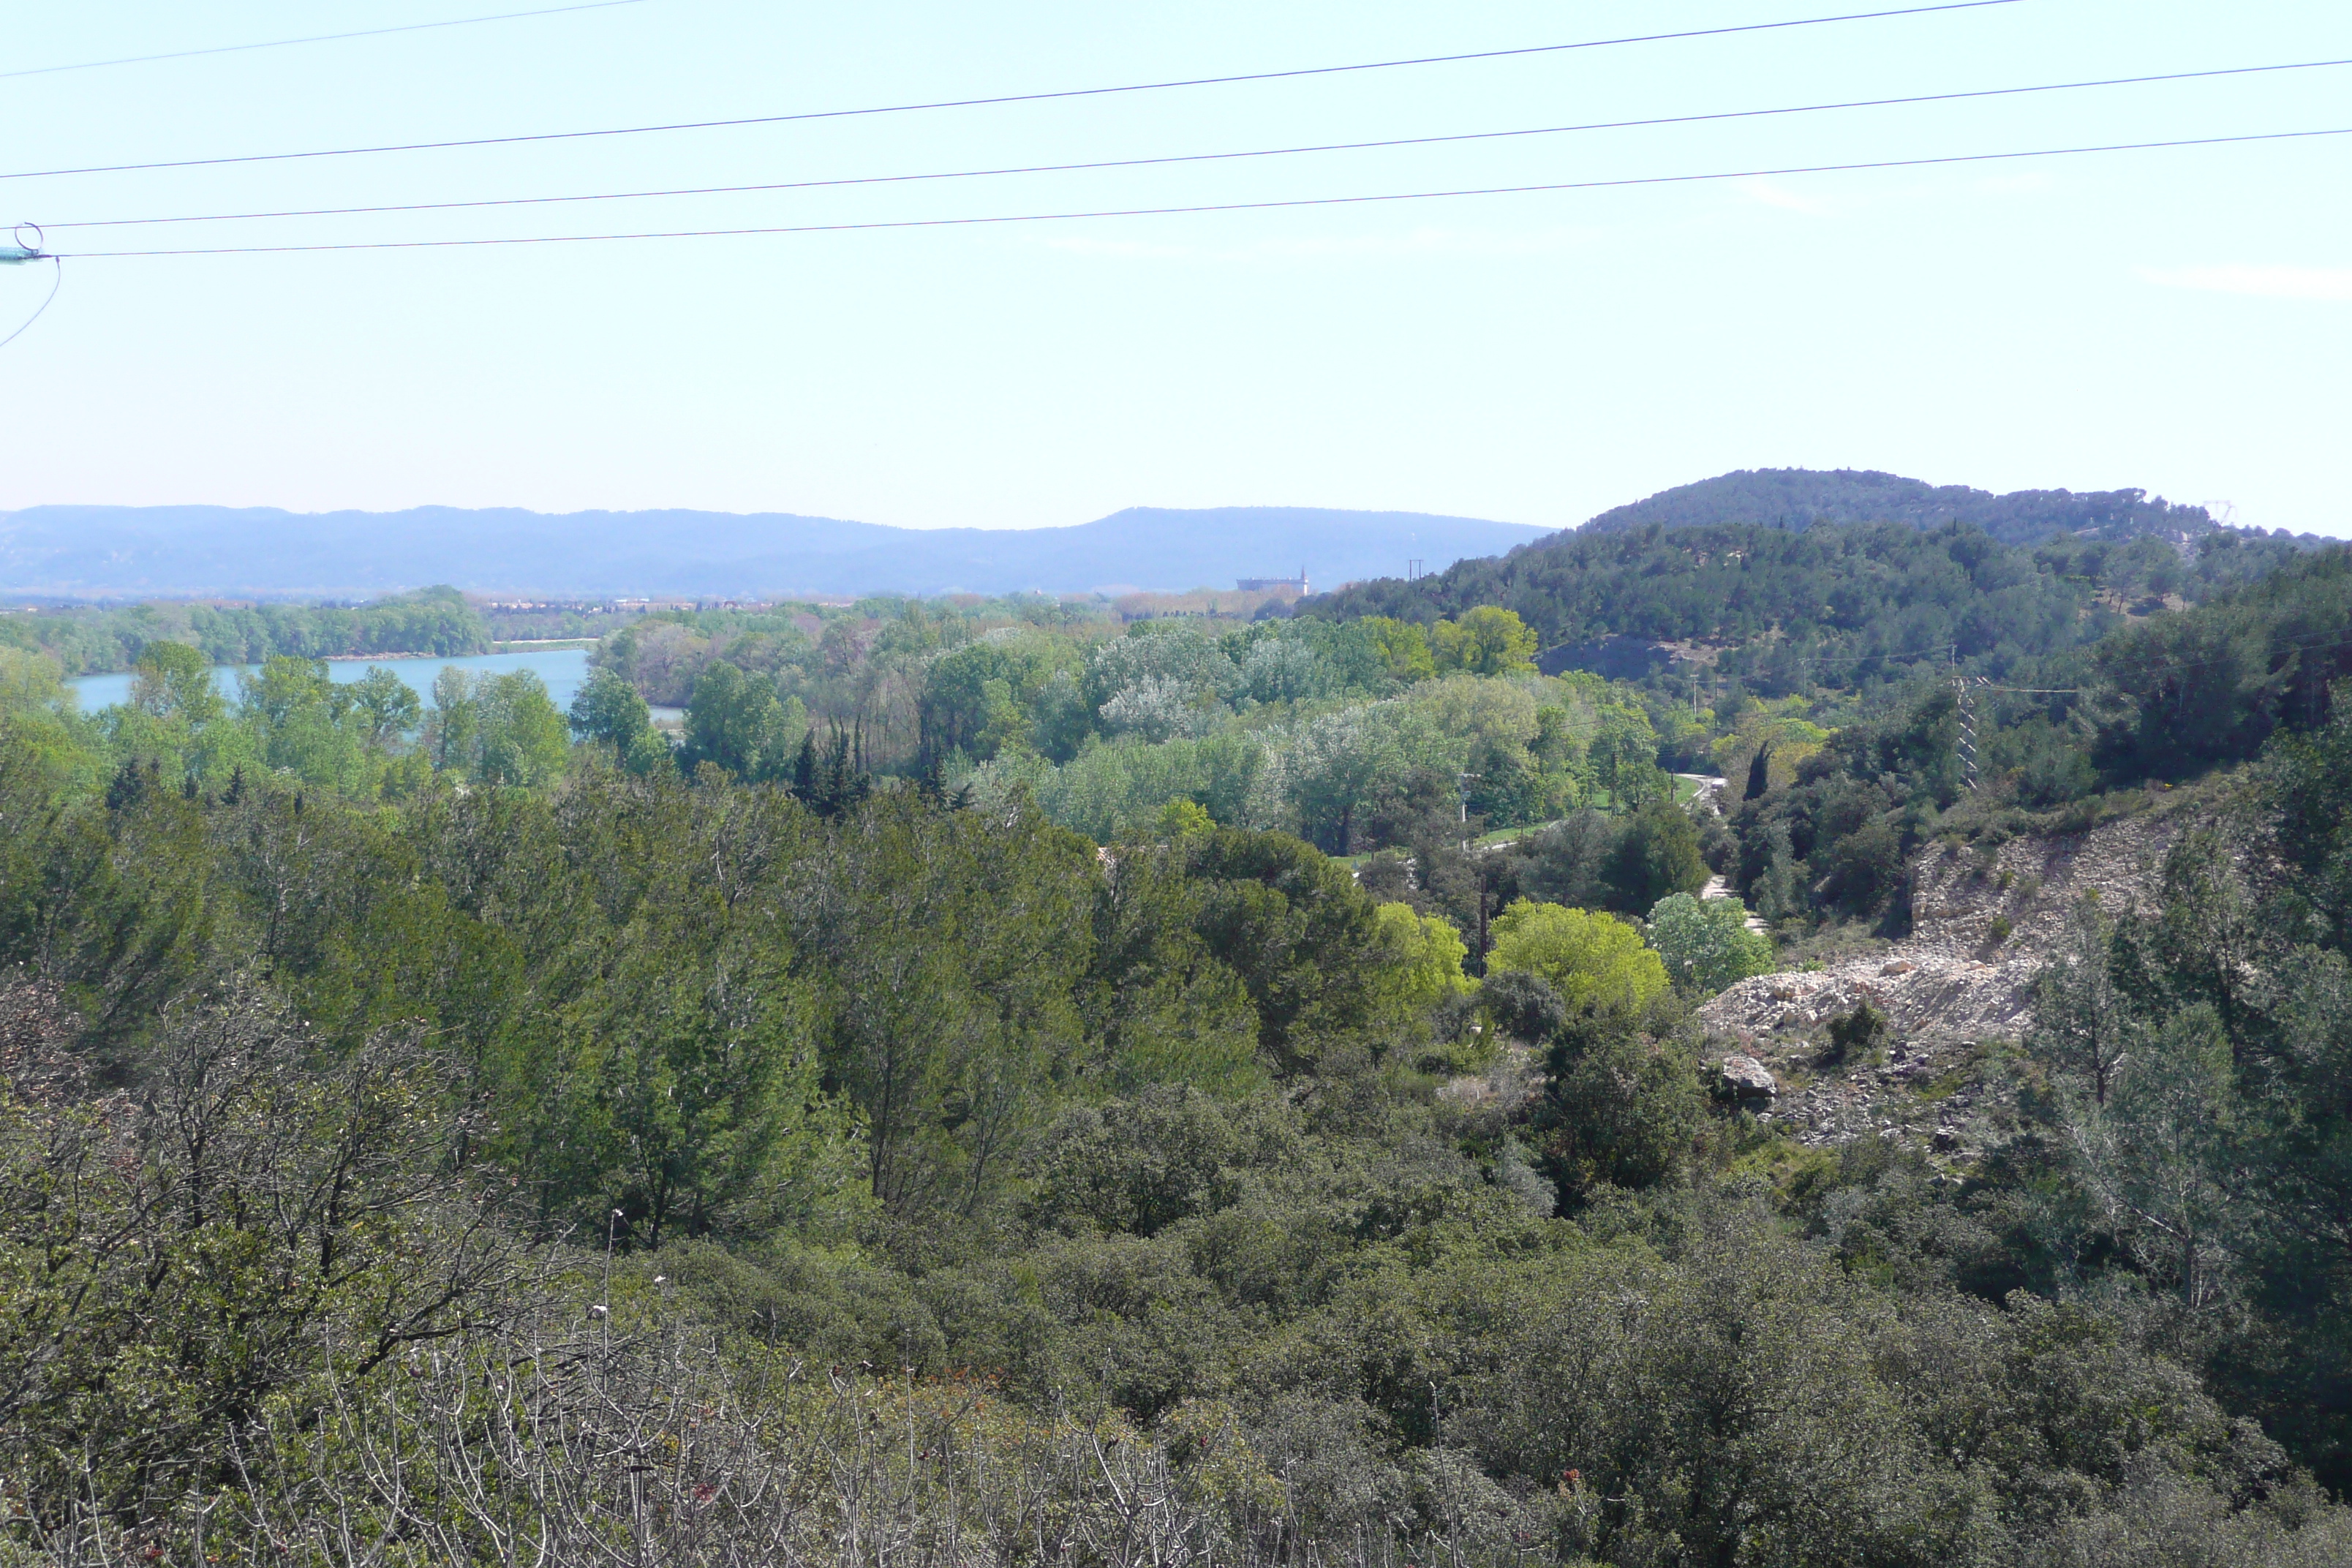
(2171, 318)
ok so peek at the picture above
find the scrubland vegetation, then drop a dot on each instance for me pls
(952, 1106)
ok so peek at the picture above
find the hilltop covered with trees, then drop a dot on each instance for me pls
(1829, 608)
(1800, 498)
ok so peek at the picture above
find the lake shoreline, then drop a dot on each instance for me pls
(563, 670)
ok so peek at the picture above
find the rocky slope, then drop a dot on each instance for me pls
(1957, 987)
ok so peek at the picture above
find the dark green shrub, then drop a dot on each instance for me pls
(1856, 1035)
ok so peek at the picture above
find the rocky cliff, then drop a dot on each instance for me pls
(1982, 923)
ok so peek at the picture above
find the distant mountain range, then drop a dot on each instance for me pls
(108, 551)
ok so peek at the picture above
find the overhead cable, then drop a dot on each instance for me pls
(1015, 98)
(1227, 207)
(1915, 659)
(317, 38)
(1101, 165)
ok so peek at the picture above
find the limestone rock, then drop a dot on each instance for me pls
(1749, 1079)
(1945, 986)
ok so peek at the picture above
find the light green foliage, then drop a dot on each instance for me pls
(498, 729)
(1425, 967)
(607, 710)
(1113, 791)
(978, 699)
(1182, 819)
(521, 735)
(1449, 721)
(44, 740)
(299, 721)
(1488, 640)
(1286, 670)
(177, 719)
(174, 682)
(390, 707)
(30, 681)
(1321, 769)
(1278, 724)
(1164, 678)
(735, 721)
(1335, 766)
(1593, 960)
(1706, 943)
(1624, 757)
(1403, 649)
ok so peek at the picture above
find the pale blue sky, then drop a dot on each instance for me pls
(2177, 320)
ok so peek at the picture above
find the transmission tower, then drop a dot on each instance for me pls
(1964, 694)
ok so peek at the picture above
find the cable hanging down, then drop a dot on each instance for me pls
(1183, 158)
(1019, 97)
(1298, 202)
(17, 254)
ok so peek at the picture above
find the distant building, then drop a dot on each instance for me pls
(1273, 584)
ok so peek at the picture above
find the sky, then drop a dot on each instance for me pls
(2177, 319)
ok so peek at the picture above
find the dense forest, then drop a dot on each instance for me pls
(1800, 498)
(84, 641)
(1346, 735)
(477, 1132)
(1837, 608)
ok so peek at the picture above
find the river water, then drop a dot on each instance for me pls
(563, 669)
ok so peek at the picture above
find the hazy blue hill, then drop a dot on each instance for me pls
(118, 552)
(1798, 498)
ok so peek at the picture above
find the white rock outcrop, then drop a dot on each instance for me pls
(1981, 927)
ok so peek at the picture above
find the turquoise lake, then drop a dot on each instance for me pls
(563, 669)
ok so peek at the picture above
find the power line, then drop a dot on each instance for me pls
(1222, 206)
(317, 38)
(1925, 654)
(1101, 165)
(1019, 97)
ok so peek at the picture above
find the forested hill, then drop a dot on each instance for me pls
(1834, 605)
(1800, 498)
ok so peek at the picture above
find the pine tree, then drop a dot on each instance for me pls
(132, 785)
(804, 769)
